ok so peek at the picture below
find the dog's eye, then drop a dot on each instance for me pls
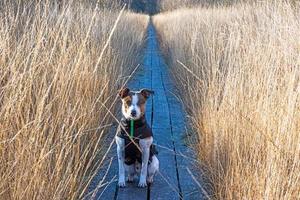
(128, 103)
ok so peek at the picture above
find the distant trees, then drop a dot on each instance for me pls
(165, 5)
(146, 6)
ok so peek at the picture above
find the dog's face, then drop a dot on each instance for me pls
(134, 102)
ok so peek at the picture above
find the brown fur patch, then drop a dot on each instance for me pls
(124, 92)
(127, 102)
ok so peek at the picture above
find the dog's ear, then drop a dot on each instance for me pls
(124, 92)
(146, 93)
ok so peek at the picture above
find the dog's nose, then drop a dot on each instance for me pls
(133, 113)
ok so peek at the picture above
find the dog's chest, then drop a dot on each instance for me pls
(140, 129)
(132, 151)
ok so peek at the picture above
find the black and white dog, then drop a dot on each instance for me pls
(136, 154)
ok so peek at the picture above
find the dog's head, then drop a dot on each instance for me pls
(134, 102)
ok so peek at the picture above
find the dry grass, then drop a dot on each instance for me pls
(52, 100)
(240, 78)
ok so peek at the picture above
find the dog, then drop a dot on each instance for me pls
(136, 153)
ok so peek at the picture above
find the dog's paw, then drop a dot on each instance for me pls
(150, 179)
(142, 184)
(122, 184)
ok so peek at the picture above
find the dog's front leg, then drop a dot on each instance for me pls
(121, 159)
(145, 147)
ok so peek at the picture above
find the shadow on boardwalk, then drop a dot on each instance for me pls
(166, 116)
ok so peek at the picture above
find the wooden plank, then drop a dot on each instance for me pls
(157, 80)
(165, 184)
(160, 106)
(147, 58)
(146, 82)
(155, 59)
(185, 157)
(161, 117)
(108, 188)
(132, 192)
(186, 160)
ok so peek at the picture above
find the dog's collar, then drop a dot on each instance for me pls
(137, 123)
(141, 129)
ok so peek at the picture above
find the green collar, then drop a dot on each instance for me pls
(131, 128)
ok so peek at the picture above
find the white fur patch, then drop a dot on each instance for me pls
(145, 146)
(133, 106)
(121, 158)
(152, 169)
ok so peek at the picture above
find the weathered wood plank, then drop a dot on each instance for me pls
(186, 159)
(157, 81)
(147, 58)
(110, 182)
(146, 82)
(132, 192)
(107, 189)
(161, 117)
(165, 184)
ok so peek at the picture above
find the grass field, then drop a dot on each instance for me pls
(60, 71)
(238, 69)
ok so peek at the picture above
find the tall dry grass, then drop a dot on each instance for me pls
(238, 68)
(56, 82)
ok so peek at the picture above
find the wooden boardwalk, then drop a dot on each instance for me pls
(167, 118)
